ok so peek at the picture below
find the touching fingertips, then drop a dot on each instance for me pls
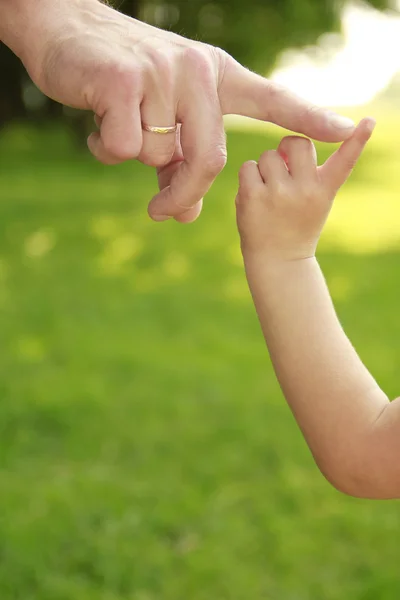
(371, 124)
(367, 126)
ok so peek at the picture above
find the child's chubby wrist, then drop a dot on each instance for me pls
(275, 266)
(277, 257)
(274, 281)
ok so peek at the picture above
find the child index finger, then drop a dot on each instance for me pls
(339, 166)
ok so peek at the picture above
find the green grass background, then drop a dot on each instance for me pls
(146, 452)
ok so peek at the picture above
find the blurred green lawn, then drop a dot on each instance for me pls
(146, 452)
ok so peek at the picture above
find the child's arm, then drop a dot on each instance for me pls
(351, 428)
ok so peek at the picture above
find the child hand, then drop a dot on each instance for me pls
(285, 199)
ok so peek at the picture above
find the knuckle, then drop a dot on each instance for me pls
(124, 78)
(282, 191)
(214, 163)
(158, 57)
(275, 91)
(198, 61)
(220, 59)
(266, 157)
(161, 64)
(195, 54)
(272, 94)
(218, 55)
(349, 162)
(310, 111)
(310, 193)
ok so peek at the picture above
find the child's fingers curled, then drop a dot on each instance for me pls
(272, 166)
(249, 178)
(300, 156)
(339, 166)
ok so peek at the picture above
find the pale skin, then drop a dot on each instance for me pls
(352, 429)
(84, 54)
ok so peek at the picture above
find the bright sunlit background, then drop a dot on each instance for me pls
(356, 73)
(348, 70)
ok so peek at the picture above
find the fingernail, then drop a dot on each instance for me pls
(160, 218)
(341, 122)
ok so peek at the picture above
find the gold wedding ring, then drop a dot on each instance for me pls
(162, 130)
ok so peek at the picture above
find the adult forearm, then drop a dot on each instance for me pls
(28, 27)
(16, 20)
(332, 395)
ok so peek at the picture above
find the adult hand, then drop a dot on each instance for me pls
(85, 54)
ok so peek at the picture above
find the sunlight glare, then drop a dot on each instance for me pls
(357, 72)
